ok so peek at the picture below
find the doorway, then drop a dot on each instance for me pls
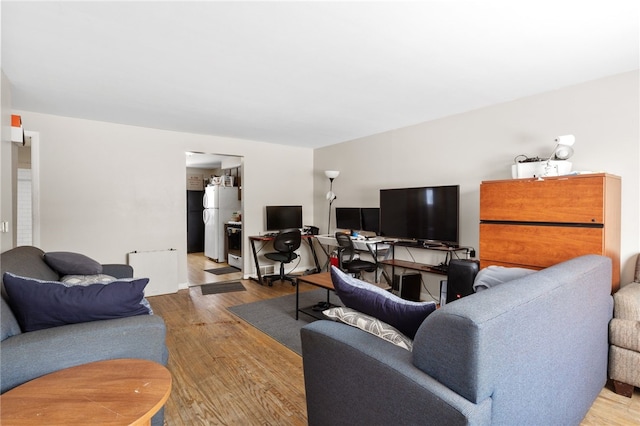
(214, 217)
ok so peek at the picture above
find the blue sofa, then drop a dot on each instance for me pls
(26, 356)
(532, 351)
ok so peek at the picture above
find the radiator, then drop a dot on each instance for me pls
(160, 266)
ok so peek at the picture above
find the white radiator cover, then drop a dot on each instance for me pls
(160, 266)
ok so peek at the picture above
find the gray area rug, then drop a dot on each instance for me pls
(277, 317)
(223, 270)
(223, 287)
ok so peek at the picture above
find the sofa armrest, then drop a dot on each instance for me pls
(627, 302)
(117, 270)
(30, 355)
(353, 377)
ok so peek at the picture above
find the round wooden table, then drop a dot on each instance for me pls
(113, 392)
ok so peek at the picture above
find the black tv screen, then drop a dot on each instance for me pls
(370, 219)
(426, 213)
(348, 218)
(283, 217)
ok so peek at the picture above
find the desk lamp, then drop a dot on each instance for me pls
(562, 151)
(331, 174)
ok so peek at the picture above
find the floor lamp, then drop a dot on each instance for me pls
(331, 174)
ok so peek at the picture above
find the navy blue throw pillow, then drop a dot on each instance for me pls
(371, 300)
(39, 304)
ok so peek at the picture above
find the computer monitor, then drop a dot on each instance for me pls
(370, 219)
(348, 218)
(283, 217)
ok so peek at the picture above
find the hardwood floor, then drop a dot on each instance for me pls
(225, 372)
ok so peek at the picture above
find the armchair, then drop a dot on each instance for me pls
(624, 337)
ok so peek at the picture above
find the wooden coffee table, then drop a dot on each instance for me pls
(322, 280)
(113, 392)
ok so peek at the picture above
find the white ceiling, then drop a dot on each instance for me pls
(304, 73)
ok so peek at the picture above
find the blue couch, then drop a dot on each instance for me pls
(532, 351)
(26, 356)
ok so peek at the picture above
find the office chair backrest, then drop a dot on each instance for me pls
(288, 240)
(345, 246)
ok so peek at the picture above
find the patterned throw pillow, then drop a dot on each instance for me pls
(87, 279)
(370, 325)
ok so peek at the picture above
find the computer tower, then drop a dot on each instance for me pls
(460, 277)
(407, 286)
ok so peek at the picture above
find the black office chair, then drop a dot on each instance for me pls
(286, 243)
(347, 257)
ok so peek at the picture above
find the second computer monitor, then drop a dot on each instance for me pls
(370, 217)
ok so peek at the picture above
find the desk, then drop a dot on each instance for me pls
(113, 392)
(375, 247)
(267, 238)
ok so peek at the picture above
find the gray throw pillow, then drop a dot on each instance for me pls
(68, 263)
(492, 276)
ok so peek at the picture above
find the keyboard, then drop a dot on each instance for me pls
(441, 268)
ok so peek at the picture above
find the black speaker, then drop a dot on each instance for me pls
(408, 285)
(460, 277)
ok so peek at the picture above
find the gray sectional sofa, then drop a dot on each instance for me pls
(27, 355)
(532, 351)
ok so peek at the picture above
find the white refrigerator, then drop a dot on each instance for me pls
(219, 204)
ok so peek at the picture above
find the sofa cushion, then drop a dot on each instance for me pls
(68, 263)
(40, 304)
(369, 299)
(492, 276)
(370, 325)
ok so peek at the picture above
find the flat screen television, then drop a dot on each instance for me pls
(283, 217)
(370, 217)
(348, 218)
(428, 213)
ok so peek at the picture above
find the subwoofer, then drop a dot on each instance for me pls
(407, 286)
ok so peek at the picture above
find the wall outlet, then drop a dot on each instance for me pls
(266, 270)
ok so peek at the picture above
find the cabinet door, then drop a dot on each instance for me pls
(536, 246)
(577, 199)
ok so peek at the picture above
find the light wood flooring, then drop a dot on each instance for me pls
(225, 372)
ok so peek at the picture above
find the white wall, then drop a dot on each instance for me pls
(6, 178)
(108, 189)
(479, 145)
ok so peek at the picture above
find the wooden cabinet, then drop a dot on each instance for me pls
(533, 223)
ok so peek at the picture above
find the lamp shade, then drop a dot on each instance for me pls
(563, 148)
(331, 174)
